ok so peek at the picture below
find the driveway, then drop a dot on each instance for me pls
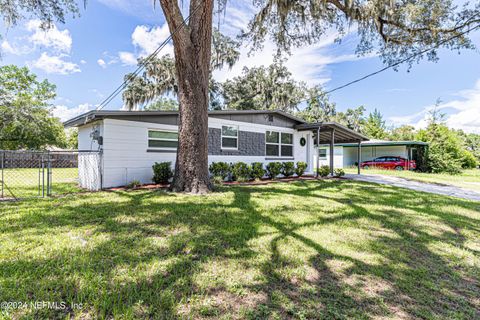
(417, 186)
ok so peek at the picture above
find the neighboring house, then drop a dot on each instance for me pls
(132, 141)
(345, 154)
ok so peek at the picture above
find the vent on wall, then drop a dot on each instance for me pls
(270, 117)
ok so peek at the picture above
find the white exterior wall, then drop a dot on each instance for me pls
(85, 142)
(125, 144)
(337, 159)
(372, 152)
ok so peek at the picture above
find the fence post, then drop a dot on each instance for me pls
(1, 167)
(49, 174)
(43, 175)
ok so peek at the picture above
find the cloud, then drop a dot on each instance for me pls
(65, 113)
(52, 38)
(55, 64)
(463, 113)
(7, 47)
(147, 39)
(102, 63)
(83, 61)
(127, 58)
(308, 63)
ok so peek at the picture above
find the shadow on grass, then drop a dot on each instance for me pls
(148, 251)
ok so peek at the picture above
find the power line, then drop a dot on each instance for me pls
(400, 61)
(119, 89)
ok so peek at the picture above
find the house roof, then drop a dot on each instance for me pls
(101, 114)
(342, 134)
(384, 143)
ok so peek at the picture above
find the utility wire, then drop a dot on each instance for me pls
(400, 61)
(144, 63)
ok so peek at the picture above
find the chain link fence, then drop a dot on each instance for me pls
(29, 174)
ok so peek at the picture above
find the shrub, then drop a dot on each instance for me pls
(219, 169)
(301, 167)
(162, 172)
(273, 169)
(217, 180)
(288, 169)
(324, 171)
(133, 184)
(241, 171)
(339, 172)
(468, 160)
(257, 170)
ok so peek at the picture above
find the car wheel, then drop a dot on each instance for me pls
(399, 168)
(366, 167)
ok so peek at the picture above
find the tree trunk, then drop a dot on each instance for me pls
(192, 47)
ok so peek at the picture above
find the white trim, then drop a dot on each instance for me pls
(161, 139)
(229, 137)
(280, 144)
(246, 126)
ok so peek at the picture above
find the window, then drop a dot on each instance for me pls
(322, 153)
(162, 139)
(229, 137)
(278, 144)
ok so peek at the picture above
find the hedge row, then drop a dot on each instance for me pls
(241, 171)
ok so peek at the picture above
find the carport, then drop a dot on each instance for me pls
(332, 133)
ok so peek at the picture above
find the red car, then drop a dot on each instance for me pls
(397, 163)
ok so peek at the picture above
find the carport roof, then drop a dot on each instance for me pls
(342, 133)
(384, 143)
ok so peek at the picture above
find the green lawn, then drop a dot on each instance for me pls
(26, 183)
(332, 249)
(468, 179)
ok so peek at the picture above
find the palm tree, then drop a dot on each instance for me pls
(159, 77)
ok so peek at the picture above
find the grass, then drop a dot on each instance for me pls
(468, 179)
(332, 249)
(27, 182)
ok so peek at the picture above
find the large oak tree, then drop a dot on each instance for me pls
(396, 28)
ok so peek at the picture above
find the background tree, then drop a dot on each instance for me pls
(352, 118)
(264, 88)
(26, 121)
(446, 152)
(402, 133)
(159, 77)
(472, 143)
(72, 138)
(162, 104)
(48, 11)
(374, 126)
(319, 107)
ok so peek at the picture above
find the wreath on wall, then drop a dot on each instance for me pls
(303, 142)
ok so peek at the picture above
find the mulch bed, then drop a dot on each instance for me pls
(230, 183)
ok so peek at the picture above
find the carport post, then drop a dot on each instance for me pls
(2, 165)
(318, 149)
(332, 151)
(359, 155)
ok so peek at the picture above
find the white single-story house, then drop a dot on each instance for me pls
(132, 141)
